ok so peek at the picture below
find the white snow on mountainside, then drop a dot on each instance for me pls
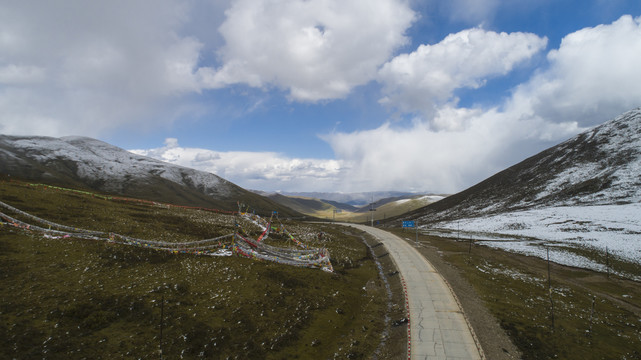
(425, 199)
(99, 161)
(581, 196)
(617, 160)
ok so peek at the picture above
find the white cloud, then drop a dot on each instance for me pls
(87, 67)
(422, 159)
(13, 74)
(594, 75)
(315, 49)
(427, 78)
(253, 170)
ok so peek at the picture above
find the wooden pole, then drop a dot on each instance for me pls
(607, 261)
(592, 314)
(162, 310)
(549, 279)
(550, 290)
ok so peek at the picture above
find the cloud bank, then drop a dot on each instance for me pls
(252, 170)
(99, 67)
(590, 78)
(88, 67)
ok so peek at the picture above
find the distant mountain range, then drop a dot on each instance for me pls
(353, 207)
(357, 199)
(88, 163)
(601, 166)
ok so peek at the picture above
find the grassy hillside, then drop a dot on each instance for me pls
(78, 298)
(302, 205)
(383, 212)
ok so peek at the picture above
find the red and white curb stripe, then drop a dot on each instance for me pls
(407, 308)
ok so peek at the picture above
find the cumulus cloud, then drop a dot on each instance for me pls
(425, 79)
(314, 49)
(253, 170)
(86, 67)
(594, 75)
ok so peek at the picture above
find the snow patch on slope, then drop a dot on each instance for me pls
(576, 199)
(563, 228)
(425, 199)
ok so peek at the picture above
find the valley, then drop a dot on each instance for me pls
(383, 208)
(162, 286)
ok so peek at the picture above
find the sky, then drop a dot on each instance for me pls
(427, 96)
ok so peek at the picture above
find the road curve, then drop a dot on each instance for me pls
(437, 324)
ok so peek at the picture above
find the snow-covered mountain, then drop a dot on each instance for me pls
(90, 163)
(583, 194)
(601, 166)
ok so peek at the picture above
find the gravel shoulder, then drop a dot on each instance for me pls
(438, 326)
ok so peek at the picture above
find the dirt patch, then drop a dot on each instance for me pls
(394, 338)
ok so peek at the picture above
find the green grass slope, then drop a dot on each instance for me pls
(303, 205)
(73, 298)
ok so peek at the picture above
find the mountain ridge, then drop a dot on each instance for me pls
(93, 164)
(597, 167)
(575, 204)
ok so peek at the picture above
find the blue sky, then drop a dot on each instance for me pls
(322, 95)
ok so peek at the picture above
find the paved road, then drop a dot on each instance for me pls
(437, 325)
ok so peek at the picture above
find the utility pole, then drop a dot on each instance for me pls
(336, 211)
(607, 261)
(372, 209)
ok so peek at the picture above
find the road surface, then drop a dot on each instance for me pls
(438, 329)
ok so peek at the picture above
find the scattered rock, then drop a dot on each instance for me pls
(400, 322)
